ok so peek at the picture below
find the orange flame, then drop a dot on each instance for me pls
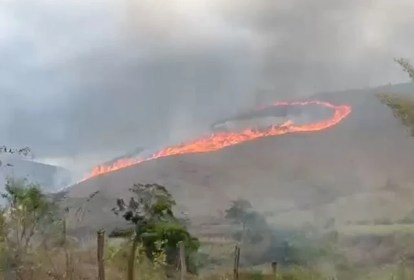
(218, 141)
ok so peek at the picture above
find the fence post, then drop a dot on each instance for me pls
(131, 260)
(236, 262)
(68, 270)
(183, 265)
(100, 254)
(274, 269)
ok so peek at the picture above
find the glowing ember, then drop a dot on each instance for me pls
(222, 140)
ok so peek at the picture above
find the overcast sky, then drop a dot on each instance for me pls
(82, 80)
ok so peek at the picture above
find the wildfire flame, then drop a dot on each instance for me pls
(218, 141)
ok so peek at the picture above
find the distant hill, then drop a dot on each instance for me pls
(50, 177)
(359, 169)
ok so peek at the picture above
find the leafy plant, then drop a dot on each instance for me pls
(118, 256)
(27, 214)
(402, 108)
(156, 228)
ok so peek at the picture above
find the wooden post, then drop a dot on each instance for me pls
(236, 262)
(131, 261)
(274, 269)
(68, 272)
(100, 254)
(183, 265)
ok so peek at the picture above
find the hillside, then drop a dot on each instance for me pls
(359, 169)
(50, 177)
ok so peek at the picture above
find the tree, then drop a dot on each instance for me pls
(253, 223)
(26, 215)
(26, 152)
(239, 214)
(406, 65)
(28, 206)
(402, 106)
(239, 211)
(155, 225)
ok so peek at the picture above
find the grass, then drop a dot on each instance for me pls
(217, 262)
(295, 273)
(370, 251)
(215, 256)
(377, 230)
(378, 249)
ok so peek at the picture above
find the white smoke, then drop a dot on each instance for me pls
(87, 80)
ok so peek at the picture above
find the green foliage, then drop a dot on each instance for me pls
(27, 214)
(26, 197)
(402, 108)
(155, 226)
(117, 256)
(27, 211)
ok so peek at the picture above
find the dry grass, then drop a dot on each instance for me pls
(80, 265)
(53, 264)
(83, 265)
(392, 242)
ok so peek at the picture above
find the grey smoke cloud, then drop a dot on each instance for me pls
(90, 79)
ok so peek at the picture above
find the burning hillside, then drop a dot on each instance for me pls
(223, 139)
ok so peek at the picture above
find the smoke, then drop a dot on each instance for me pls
(87, 80)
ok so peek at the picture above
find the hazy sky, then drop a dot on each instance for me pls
(82, 80)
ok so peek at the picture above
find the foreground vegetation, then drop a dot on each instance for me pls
(34, 244)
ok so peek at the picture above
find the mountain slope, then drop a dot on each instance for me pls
(354, 169)
(48, 176)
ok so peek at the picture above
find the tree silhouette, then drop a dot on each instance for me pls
(406, 65)
(26, 152)
(402, 106)
(149, 210)
(28, 213)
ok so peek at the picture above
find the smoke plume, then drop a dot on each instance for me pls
(86, 80)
